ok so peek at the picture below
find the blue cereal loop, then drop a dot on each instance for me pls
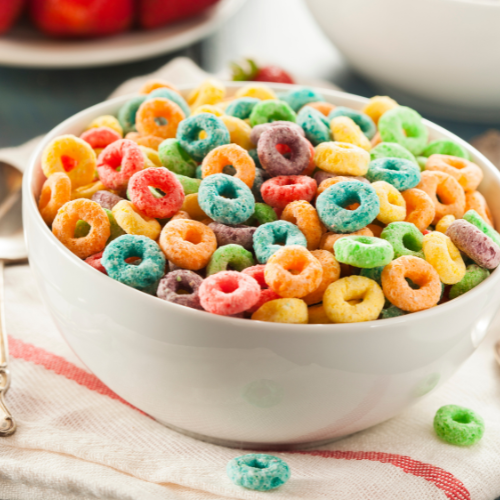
(364, 122)
(272, 236)
(242, 107)
(331, 204)
(141, 276)
(300, 97)
(226, 199)
(402, 174)
(172, 96)
(126, 114)
(315, 125)
(190, 128)
(257, 471)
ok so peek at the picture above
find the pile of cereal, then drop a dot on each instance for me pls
(280, 208)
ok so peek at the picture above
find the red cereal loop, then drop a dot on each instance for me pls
(229, 292)
(95, 262)
(153, 110)
(266, 294)
(280, 191)
(159, 178)
(100, 137)
(124, 155)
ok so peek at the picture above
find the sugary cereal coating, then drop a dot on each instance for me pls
(292, 311)
(402, 174)
(341, 158)
(56, 191)
(300, 97)
(182, 280)
(391, 150)
(405, 239)
(444, 256)
(363, 251)
(475, 219)
(279, 191)
(266, 294)
(474, 275)
(468, 174)
(237, 234)
(458, 425)
(315, 125)
(363, 121)
(173, 96)
(173, 157)
(232, 256)
(445, 147)
(106, 199)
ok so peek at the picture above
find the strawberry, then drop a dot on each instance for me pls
(9, 12)
(82, 18)
(253, 73)
(155, 13)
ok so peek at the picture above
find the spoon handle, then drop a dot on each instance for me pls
(7, 422)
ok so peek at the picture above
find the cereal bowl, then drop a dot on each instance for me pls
(248, 383)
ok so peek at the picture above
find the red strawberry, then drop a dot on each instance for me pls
(82, 18)
(9, 12)
(155, 13)
(273, 74)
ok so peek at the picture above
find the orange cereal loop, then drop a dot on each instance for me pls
(293, 272)
(109, 121)
(71, 155)
(304, 216)
(192, 207)
(331, 273)
(146, 141)
(87, 191)
(329, 239)
(153, 111)
(398, 291)
(229, 154)
(375, 229)
(132, 221)
(323, 107)
(56, 191)
(331, 181)
(92, 213)
(151, 85)
(420, 209)
(188, 243)
(378, 105)
(317, 315)
(445, 192)
(180, 215)
(475, 201)
(468, 174)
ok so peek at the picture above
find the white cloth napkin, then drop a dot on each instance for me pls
(78, 440)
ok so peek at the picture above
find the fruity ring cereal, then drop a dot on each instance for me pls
(100, 137)
(445, 147)
(188, 135)
(458, 425)
(314, 124)
(118, 163)
(107, 121)
(239, 132)
(266, 294)
(263, 214)
(233, 256)
(181, 280)
(468, 174)
(474, 275)
(331, 273)
(377, 106)
(475, 201)
(363, 251)
(271, 111)
(475, 219)
(209, 92)
(367, 296)
(328, 239)
(126, 114)
(405, 239)
(142, 275)
(106, 199)
(346, 131)
(56, 191)
(241, 107)
(133, 222)
(398, 291)
(445, 222)
(420, 209)
(392, 203)
(89, 211)
(362, 120)
(300, 97)
(173, 157)
(237, 234)
(341, 158)
(258, 129)
(402, 174)
(330, 206)
(391, 150)
(292, 311)
(304, 216)
(280, 191)
(187, 243)
(152, 85)
(152, 111)
(171, 96)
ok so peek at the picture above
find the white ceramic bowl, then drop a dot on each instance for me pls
(444, 52)
(241, 382)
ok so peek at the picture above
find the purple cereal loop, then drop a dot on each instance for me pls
(258, 129)
(106, 199)
(273, 161)
(474, 243)
(181, 279)
(237, 234)
(321, 176)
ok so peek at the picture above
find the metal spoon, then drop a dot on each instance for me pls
(12, 249)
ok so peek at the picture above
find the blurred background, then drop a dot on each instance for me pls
(437, 56)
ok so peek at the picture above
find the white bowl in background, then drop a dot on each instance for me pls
(440, 55)
(247, 383)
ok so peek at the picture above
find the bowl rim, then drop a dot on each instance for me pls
(326, 329)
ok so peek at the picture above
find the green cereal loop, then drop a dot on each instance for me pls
(476, 220)
(445, 147)
(458, 425)
(405, 239)
(363, 251)
(473, 276)
(272, 110)
(263, 214)
(397, 121)
(374, 273)
(421, 160)
(233, 256)
(82, 228)
(173, 157)
(391, 150)
(392, 312)
(189, 185)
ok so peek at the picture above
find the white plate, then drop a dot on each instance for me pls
(26, 47)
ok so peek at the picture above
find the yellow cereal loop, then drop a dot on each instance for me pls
(152, 158)
(392, 203)
(70, 155)
(106, 121)
(378, 105)
(444, 257)
(317, 315)
(345, 130)
(192, 207)
(239, 131)
(444, 223)
(338, 297)
(341, 158)
(282, 311)
(133, 222)
(209, 92)
(208, 108)
(87, 191)
(257, 90)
